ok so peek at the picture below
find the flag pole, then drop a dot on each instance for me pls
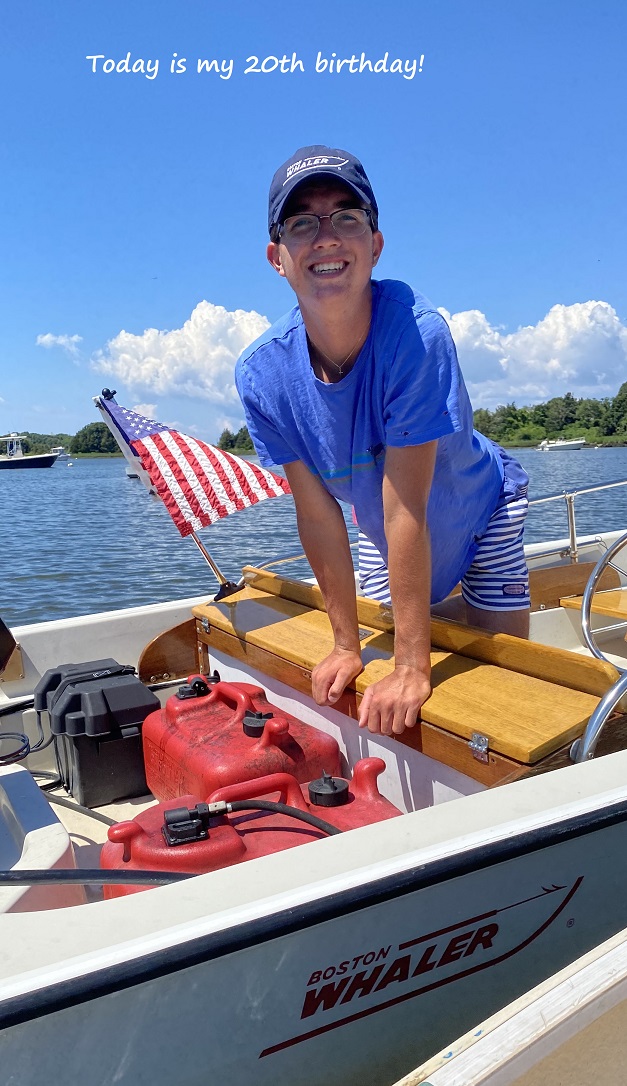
(227, 588)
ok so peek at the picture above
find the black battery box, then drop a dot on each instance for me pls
(96, 711)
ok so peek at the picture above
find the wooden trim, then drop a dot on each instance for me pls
(612, 604)
(549, 586)
(431, 740)
(172, 654)
(584, 673)
(8, 645)
(523, 717)
(369, 612)
(15, 666)
(612, 739)
(554, 665)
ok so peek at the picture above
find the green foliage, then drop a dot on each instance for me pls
(226, 440)
(43, 443)
(600, 422)
(561, 411)
(95, 438)
(505, 420)
(592, 413)
(574, 429)
(526, 435)
(538, 414)
(617, 413)
(613, 439)
(243, 440)
(240, 442)
(482, 421)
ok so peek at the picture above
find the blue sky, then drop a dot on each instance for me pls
(133, 211)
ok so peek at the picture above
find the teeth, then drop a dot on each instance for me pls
(337, 266)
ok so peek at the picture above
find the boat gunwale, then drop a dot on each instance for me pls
(106, 980)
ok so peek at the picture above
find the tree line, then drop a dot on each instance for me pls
(95, 439)
(239, 442)
(600, 422)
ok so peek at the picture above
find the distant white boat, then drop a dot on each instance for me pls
(565, 444)
(60, 452)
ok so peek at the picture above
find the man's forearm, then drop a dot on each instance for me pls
(328, 552)
(325, 541)
(409, 566)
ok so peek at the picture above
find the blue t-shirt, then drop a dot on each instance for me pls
(404, 389)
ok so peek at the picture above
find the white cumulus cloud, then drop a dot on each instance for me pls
(197, 360)
(579, 348)
(69, 344)
(148, 410)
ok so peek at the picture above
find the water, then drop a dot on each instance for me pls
(554, 472)
(80, 539)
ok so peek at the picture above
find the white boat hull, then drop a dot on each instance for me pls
(240, 994)
(348, 961)
(562, 445)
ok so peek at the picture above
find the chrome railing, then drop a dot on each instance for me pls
(285, 558)
(569, 496)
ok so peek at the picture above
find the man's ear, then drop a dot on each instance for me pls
(273, 253)
(377, 246)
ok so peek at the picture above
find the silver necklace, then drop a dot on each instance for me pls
(339, 366)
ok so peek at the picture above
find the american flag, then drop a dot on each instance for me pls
(197, 483)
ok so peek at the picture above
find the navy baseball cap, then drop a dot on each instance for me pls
(317, 161)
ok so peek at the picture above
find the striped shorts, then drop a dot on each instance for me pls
(497, 580)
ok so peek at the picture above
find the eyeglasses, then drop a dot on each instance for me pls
(347, 223)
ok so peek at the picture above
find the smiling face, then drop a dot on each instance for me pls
(329, 267)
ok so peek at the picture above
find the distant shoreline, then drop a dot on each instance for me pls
(535, 445)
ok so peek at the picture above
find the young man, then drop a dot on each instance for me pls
(357, 392)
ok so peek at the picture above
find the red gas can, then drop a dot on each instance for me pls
(209, 736)
(227, 839)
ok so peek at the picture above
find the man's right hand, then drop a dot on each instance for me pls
(332, 675)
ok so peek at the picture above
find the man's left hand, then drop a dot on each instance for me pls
(394, 703)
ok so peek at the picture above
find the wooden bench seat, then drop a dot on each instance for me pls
(504, 688)
(540, 661)
(613, 604)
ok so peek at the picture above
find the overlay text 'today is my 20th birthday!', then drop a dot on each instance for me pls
(324, 64)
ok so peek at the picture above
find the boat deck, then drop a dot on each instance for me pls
(483, 684)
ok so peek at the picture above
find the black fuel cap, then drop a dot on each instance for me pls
(254, 723)
(329, 791)
(196, 689)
